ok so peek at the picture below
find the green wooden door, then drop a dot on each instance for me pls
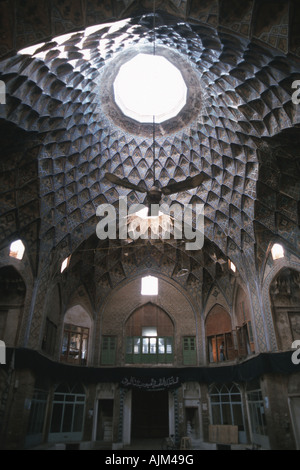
(189, 351)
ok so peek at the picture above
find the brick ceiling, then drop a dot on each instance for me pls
(59, 139)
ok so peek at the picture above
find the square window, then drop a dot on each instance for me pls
(149, 285)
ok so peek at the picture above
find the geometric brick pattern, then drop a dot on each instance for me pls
(59, 143)
(246, 96)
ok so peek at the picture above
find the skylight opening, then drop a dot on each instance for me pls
(149, 285)
(17, 249)
(150, 85)
(277, 251)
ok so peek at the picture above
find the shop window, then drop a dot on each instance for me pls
(108, 350)
(189, 351)
(226, 407)
(37, 415)
(75, 344)
(67, 414)
(259, 432)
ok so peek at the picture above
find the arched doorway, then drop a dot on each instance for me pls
(150, 414)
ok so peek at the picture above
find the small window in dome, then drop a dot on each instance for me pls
(277, 251)
(17, 249)
(65, 264)
(232, 266)
(149, 285)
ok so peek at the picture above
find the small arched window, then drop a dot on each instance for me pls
(17, 249)
(277, 251)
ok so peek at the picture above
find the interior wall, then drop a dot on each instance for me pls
(125, 300)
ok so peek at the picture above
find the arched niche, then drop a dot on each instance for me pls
(76, 336)
(218, 332)
(149, 332)
(12, 297)
(148, 316)
(285, 304)
(127, 298)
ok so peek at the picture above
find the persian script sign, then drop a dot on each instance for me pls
(150, 384)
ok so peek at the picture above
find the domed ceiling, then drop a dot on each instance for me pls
(62, 131)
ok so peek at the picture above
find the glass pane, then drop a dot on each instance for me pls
(161, 345)
(84, 348)
(145, 345)
(67, 421)
(74, 346)
(169, 348)
(70, 398)
(152, 345)
(235, 397)
(56, 417)
(226, 414)
(65, 344)
(78, 418)
(225, 397)
(215, 398)
(129, 346)
(137, 345)
(216, 414)
(238, 416)
(80, 398)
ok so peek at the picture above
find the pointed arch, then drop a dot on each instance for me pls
(218, 333)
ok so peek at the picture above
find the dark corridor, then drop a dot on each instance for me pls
(150, 414)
